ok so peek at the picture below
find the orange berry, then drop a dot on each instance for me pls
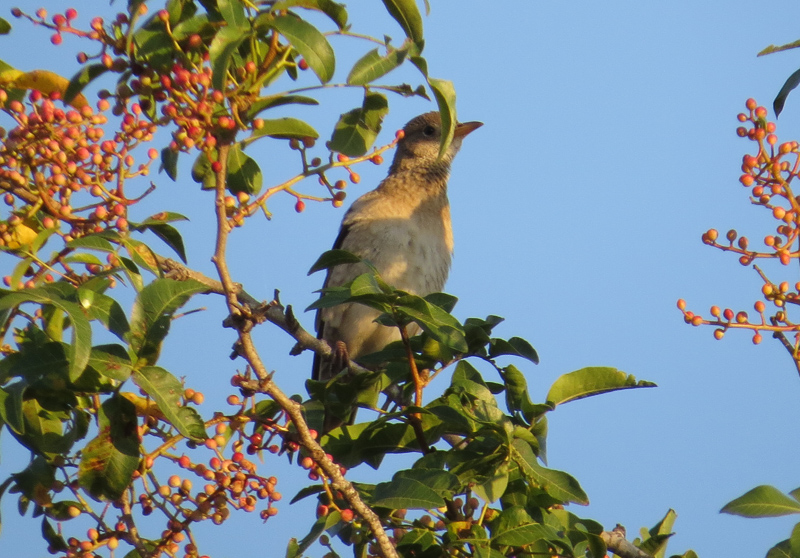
(759, 306)
(718, 334)
(751, 104)
(715, 311)
(746, 180)
(741, 317)
(681, 304)
(300, 206)
(757, 339)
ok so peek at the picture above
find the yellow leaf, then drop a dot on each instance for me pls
(44, 81)
(21, 235)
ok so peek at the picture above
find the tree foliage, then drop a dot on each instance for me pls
(115, 437)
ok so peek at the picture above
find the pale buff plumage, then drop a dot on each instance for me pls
(403, 228)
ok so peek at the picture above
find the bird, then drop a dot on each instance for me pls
(403, 229)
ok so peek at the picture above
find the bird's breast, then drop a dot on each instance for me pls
(412, 252)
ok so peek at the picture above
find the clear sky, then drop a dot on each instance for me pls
(609, 146)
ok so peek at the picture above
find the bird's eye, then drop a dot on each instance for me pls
(428, 131)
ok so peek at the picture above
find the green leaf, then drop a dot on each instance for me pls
(222, 48)
(169, 163)
(109, 461)
(434, 321)
(233, 13)
(515, 346)
(11, 399)
(5, 27)
(333, 10)
(405, 493)
(332, 258)
(273, 101)
(244, 174)
(523, 535)
(80, 80)
(202, 173)
(373, 66)
(781, 550)
(111, 361)
(53, 539)
(103, 308)
(788, 87)
(309, 42)
(594, 380)
(406, 13)
(495, 486)
(284, 128)
(168, 234)
(445, 95)
(152, 312)
(762, 501)
(198, 24)
(166, 391)
(356, 131)
(517, 397)
(81, 331)
(91, 242)
(557, 484)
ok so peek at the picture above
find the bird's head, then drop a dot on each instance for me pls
(419, 147)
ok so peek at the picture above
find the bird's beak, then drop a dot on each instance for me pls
(464, 128)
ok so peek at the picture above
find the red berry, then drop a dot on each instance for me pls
(303, 65)
(71, 13)
(300, 206)
(347, 515)
(56, 39)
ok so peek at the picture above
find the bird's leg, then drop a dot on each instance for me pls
(339, 358)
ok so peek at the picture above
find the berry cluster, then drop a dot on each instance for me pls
(63, 177)
(769, 176)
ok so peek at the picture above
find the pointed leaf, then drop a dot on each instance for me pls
(5, 27)
(587, 382)
(244, 174)
(332, 258)
(80, 331)
(166, 391)
(284, 128)
(406, 13)
(169, 162)
(373, 66)
(357, 130)
(515, 346)
(309, 42)
(277, 101)
(109, 460)
(762, 501)
(233, 13)
(152, 313)
(168, 234)
(83, 78)
(445, 95)
(557, 484)
(780, 99)
(333, 10)
(220, 52)
(111, 361)
(405, 493)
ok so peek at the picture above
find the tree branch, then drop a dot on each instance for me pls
(619, 545)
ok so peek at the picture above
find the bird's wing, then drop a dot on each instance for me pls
(319, 322)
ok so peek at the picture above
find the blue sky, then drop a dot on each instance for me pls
(609, 146)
